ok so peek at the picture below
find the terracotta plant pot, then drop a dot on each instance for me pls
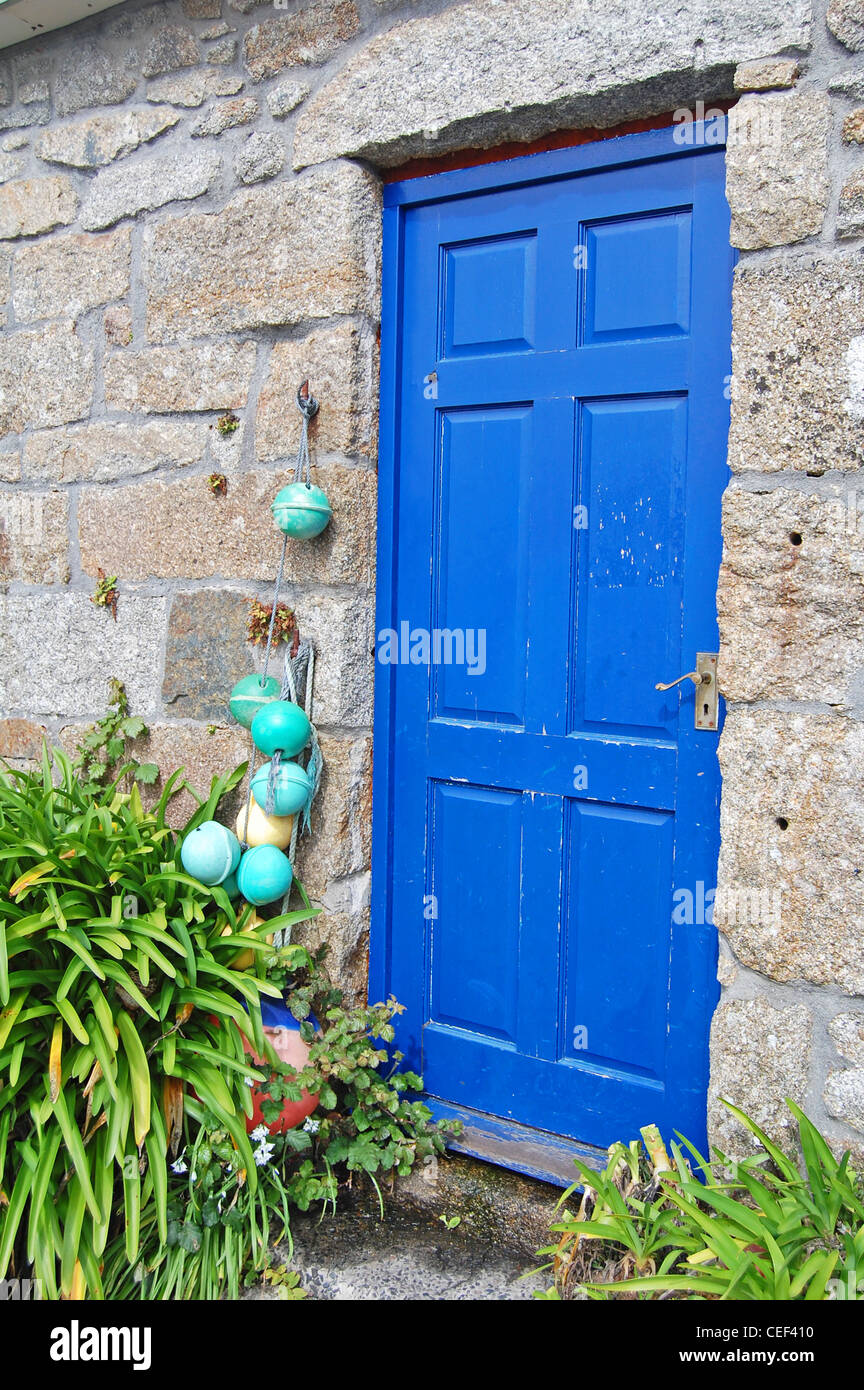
(283, 1031)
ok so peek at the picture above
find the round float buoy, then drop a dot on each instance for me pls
(291, 792)
(250, 695)
(264, 875)
(210, 852)
(301, 511)
(281, 726)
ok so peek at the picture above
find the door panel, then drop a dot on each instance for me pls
(556, 415)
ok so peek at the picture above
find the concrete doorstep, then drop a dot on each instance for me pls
(410, 1254)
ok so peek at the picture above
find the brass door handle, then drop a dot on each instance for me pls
(697, 677)
(705, 705)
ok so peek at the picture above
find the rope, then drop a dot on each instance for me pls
(308, 407)
(305, 658)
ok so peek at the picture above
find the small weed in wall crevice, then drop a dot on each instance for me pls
(218, 484)
(285, 627)
(227, 423)
(103, 754)
(105, 593)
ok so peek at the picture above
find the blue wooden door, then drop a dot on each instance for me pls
(556, 350)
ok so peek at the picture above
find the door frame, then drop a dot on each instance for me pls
(493, 1139)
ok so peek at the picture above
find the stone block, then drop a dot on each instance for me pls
(340, 842)
(176, 528)
(34, 537)
(11, 165)
(846, 22)
(346, 935)
(202, 9)
(844, 1096)
(202, 751)
(225, 115)
(91, 75)
(285, 98)
(341, 628)
(171, 47)
(65, 275)
(206, 653)
(261, 156)
(222, 53)
(59, 651)
(798, 383)
(791, 876)
(46, 378)
(96, 141)
(128, 190)
(777, 180)
(766, 74)
(31, 206)
(847, 1033)
(276, 255)
(853, 127)
(482, 73)
(311, 35)
(104, 451)
(194, 88)
(791, 595)
(20, 740)
(850, 213)
(759, 1055)
(341, 364)
(200, 376)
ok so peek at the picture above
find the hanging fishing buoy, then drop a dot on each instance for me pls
(264, 875)
(282, 727)
(210, 852)
(301, 510)
(230, 885)
(256, 828)
(292, 788)
(250, 695)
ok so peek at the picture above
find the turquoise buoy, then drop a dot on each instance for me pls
(249, 695)
(301, 510)
(280, 726)
(293, 789)
(210, 853)
(264, 875)
(230, 886)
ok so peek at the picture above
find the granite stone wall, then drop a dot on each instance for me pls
(189, 224)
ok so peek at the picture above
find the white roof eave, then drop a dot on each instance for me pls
(28, 19)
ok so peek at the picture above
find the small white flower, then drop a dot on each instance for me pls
(178, 1166)
(311, 1126)
(249, 1082)
(260, 1134)
(193, 1175)
(263, 1154)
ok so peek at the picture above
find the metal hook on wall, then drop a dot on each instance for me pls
(306, 404)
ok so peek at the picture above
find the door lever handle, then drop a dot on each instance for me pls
(697, 677)
(706, 704)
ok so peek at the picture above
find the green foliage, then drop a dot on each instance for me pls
(103, 755)
(117, 999)
(364, 1120)
(219, 1225)
(765, 1228)
(219, 1230)
(284, 625)
(126, 1170)
(105, 593)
